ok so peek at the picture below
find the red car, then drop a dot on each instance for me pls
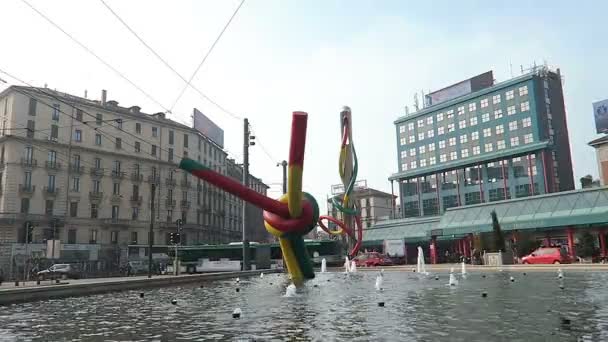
(547, 255)
(372, 259)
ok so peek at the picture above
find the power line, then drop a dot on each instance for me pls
(141, 40)
(207, 54)
(94, 54)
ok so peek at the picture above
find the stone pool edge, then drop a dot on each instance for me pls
(105, 285)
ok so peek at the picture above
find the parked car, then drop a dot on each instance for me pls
(372, 259)
(547, 255)
(62, 271)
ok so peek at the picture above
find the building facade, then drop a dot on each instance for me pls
(601, 154)
(506, 140)
(83, 171)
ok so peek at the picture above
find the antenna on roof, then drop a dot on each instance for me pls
(416, 103)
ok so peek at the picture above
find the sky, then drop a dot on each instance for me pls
(316, 56)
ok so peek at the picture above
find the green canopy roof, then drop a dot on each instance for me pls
(410, 230)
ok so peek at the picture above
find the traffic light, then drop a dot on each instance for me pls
(174, 238)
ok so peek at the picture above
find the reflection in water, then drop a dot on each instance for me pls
(534, 308)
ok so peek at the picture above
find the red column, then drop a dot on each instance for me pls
(571, 250)
(433, 248)
(470, 242)
(547, 241)
(602, 235)
(467, 247)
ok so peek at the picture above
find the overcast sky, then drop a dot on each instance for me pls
(314, 56)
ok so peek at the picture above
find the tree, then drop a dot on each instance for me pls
(526, 244)
(586, 245)
(499, 240)
(586, 182)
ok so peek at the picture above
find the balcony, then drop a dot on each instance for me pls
(27, 188)
(152, 179)
(170, 203)
(50, 191)
(184, 204)
(137, 177)
(28, 162)
(116, 222)
(52, 165)
(185, 183)
(77, 169)
(118, 174)
(170, 181)
(136, 200)
(97, 171)
(115, 198)
(95, 196)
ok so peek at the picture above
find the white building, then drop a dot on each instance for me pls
(85, 170)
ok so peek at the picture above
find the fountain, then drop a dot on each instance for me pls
(353, 266)
(560, 273)
(323, 265)
(346, 265)
(464, 269)
(290, 291)
(420, 266)
(453, 280)
(379, 281)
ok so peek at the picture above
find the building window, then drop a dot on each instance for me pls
(153, 151)
(412, 152)
(528, 138)
(439, 117)
(500, 144)
(134, 234)
(51, 183)
(487, 132)
(73, 209)
(72, 236)
(98, 139)
(98, 119)
(170, 154)
(97, 163)
(429, 120)
(137, 128)
(442, 144)
(401, 129)
(464, 153)
(452, 141)
(440, 130)
(118, 143)
(472, 198)
(169, 215)
(75, 184)
(31, 128)
(443, 158)
(137, 146)
(420, 136)
(511, 110)
(79, 115)
(497, 114)
(484, 103)
(453, 155)
(525, 106)
(422, 149)
(489, 147)
(500, 129)
(496, 99)
(460, 110)
(32, 107)
(422, 162)
(526, 122)
(115, 212)
(472, 107)
(96, 186)
(25, 205)
(473, 121)
(462, 124)
(410, 127)
(78, 135)
(94, 211)
(54, 132)
(512, 125)
(510, 95)
(420, 123)
(403, 167)
(171, 138)
(403, 154)
(48, 207)
(114, 237)
(514, 141)
(523, 90)
(185, 140)
(116, 189)
(463, 138)
(118, 123)
(430, 133)
(431, 147)
(432, 160)
(154, 132)
(413, 164)
(55, 115)
(450, 113)
(476, 150)
(485, 117)
(412, 139)
(93, 238)
(450, 127)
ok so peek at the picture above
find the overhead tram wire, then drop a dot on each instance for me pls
(108, 65)
(207, 54)
(141, 40)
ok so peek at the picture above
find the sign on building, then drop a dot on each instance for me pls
(208, 128)
(600, 113)
(461, 88)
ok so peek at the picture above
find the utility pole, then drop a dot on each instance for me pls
(284, 165)
(177, 241)
(29, 229)
(54, 223)
(151, 232)
(247, 140)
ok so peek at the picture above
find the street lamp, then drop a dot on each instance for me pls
(176, 241)
(29, 229)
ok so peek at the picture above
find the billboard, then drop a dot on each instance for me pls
(600, 112)
(208, 128)
(339, 188)
(470, 85)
